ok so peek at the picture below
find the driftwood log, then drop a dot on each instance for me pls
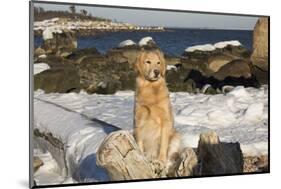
(123, 160)
(217, 157)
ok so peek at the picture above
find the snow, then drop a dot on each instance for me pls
(42, 56)
(238, 116)
(206, 47)
(144, 41)
(40, 67)
(223, 44)
(48, 32)
(49, 172)
(126, 43)
(172, 67)
(210, 47)
(80, 135)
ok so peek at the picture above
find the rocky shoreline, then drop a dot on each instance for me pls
(88, 27)
(207, 68)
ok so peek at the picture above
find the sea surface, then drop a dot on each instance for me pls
(173, 41)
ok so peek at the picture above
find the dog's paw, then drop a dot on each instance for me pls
(159, 168)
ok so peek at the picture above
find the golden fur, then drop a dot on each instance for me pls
(154, 131)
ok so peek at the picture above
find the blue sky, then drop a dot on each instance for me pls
(164, 18)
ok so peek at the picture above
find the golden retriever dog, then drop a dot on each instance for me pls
(154, 125)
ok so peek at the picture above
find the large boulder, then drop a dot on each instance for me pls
(59, 42)
(260, 53)
(177, 80)
(208, 58)
(260, 44)
(59, 79)
(79, 55)
(100, 75)
(236, 68)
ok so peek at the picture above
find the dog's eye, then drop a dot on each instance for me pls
(148, 62)
(158, 62)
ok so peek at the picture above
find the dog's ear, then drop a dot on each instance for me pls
(163, 63)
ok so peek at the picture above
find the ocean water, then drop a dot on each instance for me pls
(173, 41)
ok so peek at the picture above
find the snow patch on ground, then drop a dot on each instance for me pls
(49, 172)
(40, 67)
(238, 116)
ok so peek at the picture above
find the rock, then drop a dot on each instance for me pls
(172, 60)
(237, 52)
(102, 75)
(39, 51)
(37, 162)
(260, 53)
(108, 87)
(223, 44)
(255, 164)
(216, 62)
(61, 80)
(123, 55)
(216, 158)
(40, 67)
(259, 56)
(205, 48)
(78, 55)
(208, 58)
(128, 80)
(236, 68)
(147, 41)
(177, 80)
(59, 42)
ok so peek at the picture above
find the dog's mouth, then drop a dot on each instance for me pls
(154, 78)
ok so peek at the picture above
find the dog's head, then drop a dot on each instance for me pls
(150, 65)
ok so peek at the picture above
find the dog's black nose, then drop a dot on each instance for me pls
(156, 72)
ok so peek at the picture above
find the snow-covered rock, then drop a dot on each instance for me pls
(42, 56)
(206, 47)
(49, 31)
(145, 40)
(126, 43)
(212, 47)
(223, 44)
(40, 67)
(172, 67)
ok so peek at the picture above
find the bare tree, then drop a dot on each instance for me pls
(83, 12)
(72, 9)
(41, 9)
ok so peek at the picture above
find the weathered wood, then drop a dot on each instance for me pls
(216, 157)
(37, 162)
(122, 158)
(188, 163)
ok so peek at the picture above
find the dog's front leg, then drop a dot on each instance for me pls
(164, 142)
(138, 139)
